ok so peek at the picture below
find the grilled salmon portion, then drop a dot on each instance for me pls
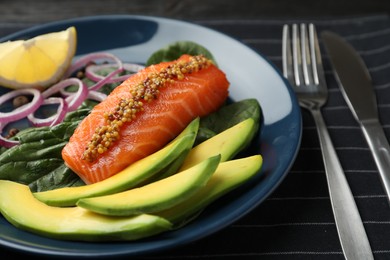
(143, 114)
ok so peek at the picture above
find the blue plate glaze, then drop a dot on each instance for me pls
(135, 38)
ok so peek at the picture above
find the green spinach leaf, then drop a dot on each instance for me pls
(37, 161)
(175, 50)
(227, 116)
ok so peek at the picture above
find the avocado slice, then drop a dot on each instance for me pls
(171, 169)
(156, 196)
(228, 143)
(24, 211)
(228, 176)
(131, 176)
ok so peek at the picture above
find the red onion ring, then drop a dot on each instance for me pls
(104, 81)
(21, 111)
(90, 72)
(74, 99)
(4, 141)
(84, 61)
(53, 119)
(95, 95)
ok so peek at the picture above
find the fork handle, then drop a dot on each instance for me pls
(352, 234)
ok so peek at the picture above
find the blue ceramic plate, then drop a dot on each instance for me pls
(134, 38)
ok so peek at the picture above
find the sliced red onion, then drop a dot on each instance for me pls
(53, 119)
(74, 99)
(7, 143)
(90, 58)
(21, 111)
(104, 81)
(95, 95)
(91, 70)
(60, 87)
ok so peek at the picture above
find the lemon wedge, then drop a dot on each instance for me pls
(37, 62)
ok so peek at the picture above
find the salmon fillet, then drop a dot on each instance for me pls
(176, 103)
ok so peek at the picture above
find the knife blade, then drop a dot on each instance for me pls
(356, 86)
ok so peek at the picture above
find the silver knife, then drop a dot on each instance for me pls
(356, 87)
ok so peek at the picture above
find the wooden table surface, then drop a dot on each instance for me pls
(39, 11)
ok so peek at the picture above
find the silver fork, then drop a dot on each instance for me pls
(302, 66)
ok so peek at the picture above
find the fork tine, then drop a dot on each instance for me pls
(291, 55)
(302, 64)
(297, 56)
(318, 71)
(286, 53)
(306, 55)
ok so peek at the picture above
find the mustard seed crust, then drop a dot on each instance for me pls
(146, 91)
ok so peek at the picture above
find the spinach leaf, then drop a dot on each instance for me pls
(227, 116)
(175, 50)
(37, 161)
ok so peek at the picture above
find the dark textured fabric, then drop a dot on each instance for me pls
(296, 221)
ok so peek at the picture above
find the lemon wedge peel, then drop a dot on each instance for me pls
(38, 62)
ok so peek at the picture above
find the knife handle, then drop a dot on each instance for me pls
(349, 224)
(380, 148)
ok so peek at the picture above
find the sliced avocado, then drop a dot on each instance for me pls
(131, 176)
(227, 143)
(24, 211)
(228, 176)
(228, 116)
(173, 168)
(156, 196)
